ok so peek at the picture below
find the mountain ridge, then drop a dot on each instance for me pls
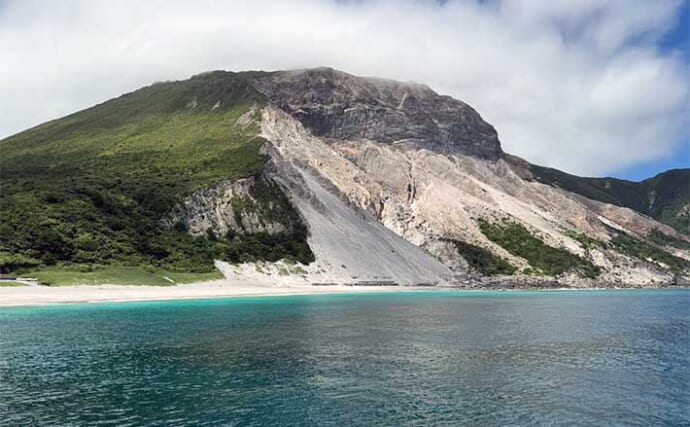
(648, 196)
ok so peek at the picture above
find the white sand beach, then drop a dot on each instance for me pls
(41, 295)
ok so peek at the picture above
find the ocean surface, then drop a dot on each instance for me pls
(395, 359)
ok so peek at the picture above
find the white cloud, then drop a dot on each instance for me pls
(575, 84)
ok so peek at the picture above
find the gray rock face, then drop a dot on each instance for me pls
(350, 245)
(235, 207)
(335, 104)
(427, 198)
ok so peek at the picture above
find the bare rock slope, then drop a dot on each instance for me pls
(398, 184)
(349, 243)
(432, 171)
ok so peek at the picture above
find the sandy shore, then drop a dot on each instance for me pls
(235, 287)
(41, 295)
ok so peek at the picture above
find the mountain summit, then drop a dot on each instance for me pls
(335, 104)
(349, 179)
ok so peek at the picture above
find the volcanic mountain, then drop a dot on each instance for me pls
(346, 179)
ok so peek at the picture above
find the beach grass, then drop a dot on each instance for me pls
(118, 275)
(10, 283)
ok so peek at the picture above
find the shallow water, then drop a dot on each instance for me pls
(422, 358)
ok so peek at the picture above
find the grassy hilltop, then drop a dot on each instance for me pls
(91, 188)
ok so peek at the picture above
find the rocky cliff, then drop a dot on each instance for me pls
(245, 206)
(335, 104)
(431, 170)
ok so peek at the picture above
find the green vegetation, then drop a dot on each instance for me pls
(544, 259)
(481, 260)
(269, 203)
(116, 275)
(12, 262)
(94, 187)
(585, 241)
(665, 197)
(298, 270)
(268, 247)
(660, 238)
(644, 251)
(10, 283)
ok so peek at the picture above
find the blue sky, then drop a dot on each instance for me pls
(592, 87)
(676, 40)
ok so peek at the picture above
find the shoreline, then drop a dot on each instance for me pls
(23, 296)
(27, 296)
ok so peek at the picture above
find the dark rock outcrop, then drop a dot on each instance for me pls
(335, 104)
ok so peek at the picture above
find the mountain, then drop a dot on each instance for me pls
(665, 197)
(345, 178)
(95, 186)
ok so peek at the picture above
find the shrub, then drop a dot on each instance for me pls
(12, 262)
(481, 260)
(551, 261)
(631, 246)
(660, 238)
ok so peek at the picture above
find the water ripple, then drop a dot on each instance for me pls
(425, 359)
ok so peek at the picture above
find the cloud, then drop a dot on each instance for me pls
(579, 85)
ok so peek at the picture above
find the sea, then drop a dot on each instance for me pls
(422, 358)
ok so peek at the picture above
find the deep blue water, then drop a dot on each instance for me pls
(423, 358)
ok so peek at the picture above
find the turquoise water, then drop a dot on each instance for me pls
(424, 358)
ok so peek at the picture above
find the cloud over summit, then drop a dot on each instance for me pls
(580, 85)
